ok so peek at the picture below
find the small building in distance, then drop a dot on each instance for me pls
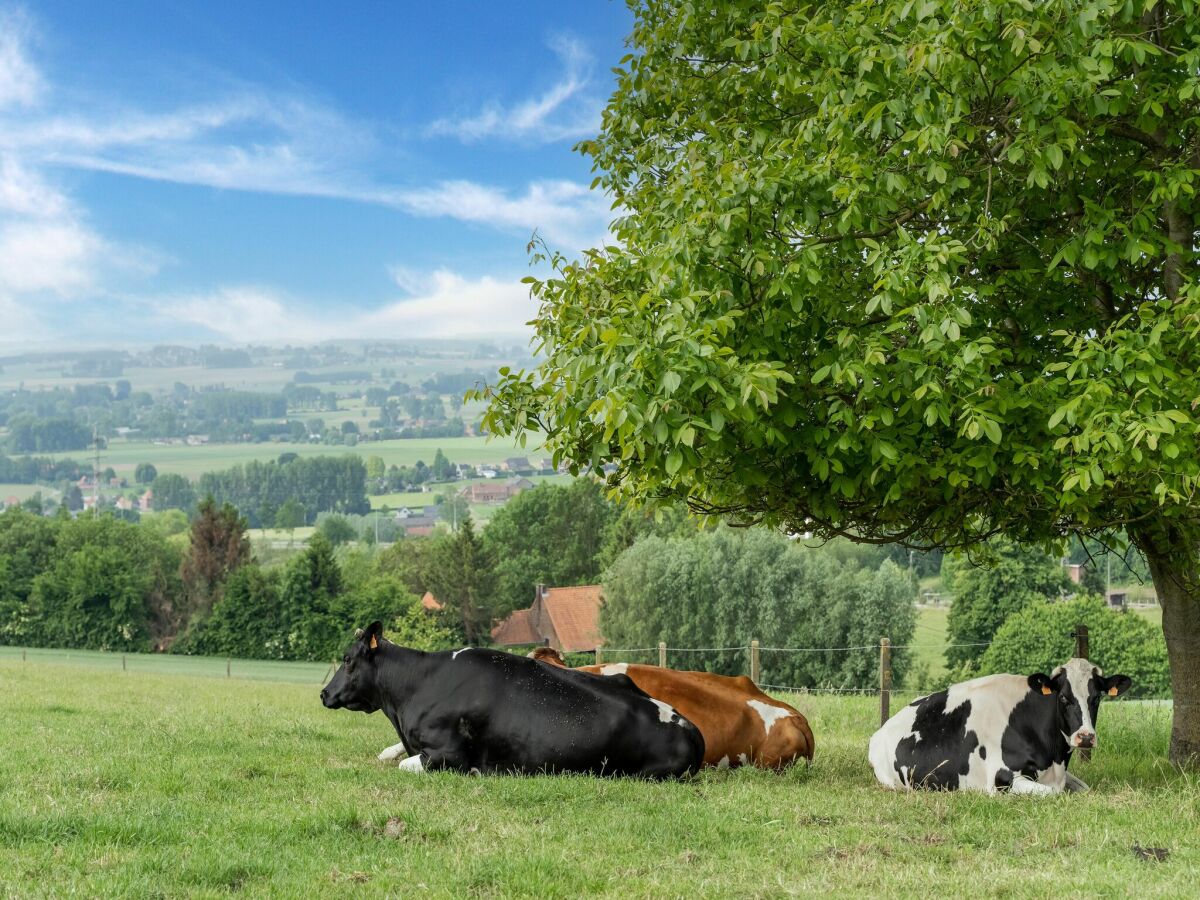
(431, 603)
(565, 618)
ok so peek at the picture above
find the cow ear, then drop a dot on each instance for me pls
(1042, 683)
(1115, 685)
(373, 635)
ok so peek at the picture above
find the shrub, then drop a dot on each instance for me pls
(1041, 637)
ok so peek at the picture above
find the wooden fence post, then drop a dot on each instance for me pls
(662, 654)
(598, 660)
(1081, 651)
(885, 680)
(755, 664)
(228, 667)
(123, 669)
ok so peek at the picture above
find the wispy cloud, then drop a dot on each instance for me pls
(52, 258)
(441, 304)
(20, 82)
(565, 110)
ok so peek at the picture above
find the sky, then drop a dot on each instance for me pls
(281, 172)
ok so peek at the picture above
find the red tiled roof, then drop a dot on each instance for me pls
(575, 612)
(430, 602)
(517, 628)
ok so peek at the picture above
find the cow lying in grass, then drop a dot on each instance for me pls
(999, 732)
(485, 711)
(741, 725)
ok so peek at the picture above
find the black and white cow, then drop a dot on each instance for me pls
(999, 732)
(486, 711)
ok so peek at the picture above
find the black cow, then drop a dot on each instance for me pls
(486, 711)
(999, 732)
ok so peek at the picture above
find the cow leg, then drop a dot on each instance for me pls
(412, 764)
(393, 752)
(1074, 785)
(1023, 785)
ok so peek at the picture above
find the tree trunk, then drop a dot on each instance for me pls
(1174, 560)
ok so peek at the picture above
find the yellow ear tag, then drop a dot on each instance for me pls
(1046, 690)
(374, 643)
(1112, 691)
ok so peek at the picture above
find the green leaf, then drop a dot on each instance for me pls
(674, 461)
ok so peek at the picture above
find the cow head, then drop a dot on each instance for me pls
(1077, 688)
(353, 685)
(547, 655)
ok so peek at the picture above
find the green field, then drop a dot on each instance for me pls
(25, 491)
(192, 462)
(145, 783)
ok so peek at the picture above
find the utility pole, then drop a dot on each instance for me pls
(95, 470)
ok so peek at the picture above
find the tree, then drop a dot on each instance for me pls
(73, 498)
(443, 469)
(337, 530)
(309, 603)
(290, 516)
(1040, 637)
(1011, 578)
(246, 621)
(901, 272)
(173, 491)
(145, 473)
(461, 574)
(454, 509)
(552, 534)
(218, 546)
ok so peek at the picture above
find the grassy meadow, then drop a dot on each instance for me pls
(171, 780)
(193, 461)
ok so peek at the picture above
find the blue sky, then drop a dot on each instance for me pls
(283, 172)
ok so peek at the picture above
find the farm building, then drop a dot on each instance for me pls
(565, 618)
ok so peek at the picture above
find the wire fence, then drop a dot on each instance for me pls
(317, 673)
(752, 655)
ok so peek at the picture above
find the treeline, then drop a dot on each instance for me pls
(39, 469)
(724, 588)
(259, 489)
(28, 434)
(106, 584)
(103, 584)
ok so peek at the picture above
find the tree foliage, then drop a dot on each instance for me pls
(217, 546)
(1041, 636)
(919, 271)
(1006, 581)
(726, 588)
(553, 535)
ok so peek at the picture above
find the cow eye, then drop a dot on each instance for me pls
(346, 659)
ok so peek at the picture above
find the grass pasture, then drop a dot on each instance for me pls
(193, 461)
(171, 782)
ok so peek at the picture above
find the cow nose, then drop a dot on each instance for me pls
(1086, 740)
(324, 695)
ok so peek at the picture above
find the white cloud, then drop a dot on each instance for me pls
(535, 118)
(442, 304)
(20, 82)
(561, 210)
(51, 256)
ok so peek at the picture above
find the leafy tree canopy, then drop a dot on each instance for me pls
(920, 271)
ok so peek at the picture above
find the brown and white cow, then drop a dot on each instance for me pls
(741, 725)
